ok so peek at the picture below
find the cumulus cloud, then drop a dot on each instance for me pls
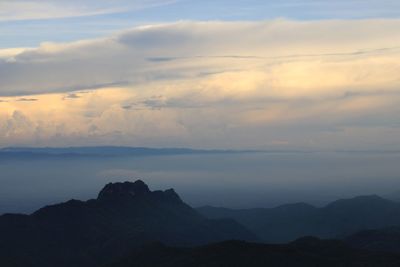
(211, 84)
(287, 54)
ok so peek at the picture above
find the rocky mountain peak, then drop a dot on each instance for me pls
(125, 189)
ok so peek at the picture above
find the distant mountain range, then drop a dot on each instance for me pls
(143, 151)
(129, 225)
(336, 220)
(103, 151)
(112, 151)
(124, 216)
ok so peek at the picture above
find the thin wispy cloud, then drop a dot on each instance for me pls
(17, 10)
(71, 96)
(23, 99)
(27, 23)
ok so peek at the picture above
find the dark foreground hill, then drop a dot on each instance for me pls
(305, 252)
(386, 239)
(336, 220)
(124, 216)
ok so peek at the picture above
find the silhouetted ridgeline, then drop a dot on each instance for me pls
(336, 220)
(124, 216)
(129, 225)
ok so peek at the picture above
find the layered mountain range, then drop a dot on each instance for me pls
(129, 225)
(124, 216)
(335, 220)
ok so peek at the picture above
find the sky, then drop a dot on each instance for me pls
(284, 75)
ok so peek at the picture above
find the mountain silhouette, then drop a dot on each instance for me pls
(129, 225)
(305, 252)
(124, 216)
(336, 220)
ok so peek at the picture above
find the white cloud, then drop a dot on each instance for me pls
(210, 84)
(188, 50)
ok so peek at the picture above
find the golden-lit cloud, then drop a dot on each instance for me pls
(209, 84)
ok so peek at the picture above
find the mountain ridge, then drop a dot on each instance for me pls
(124, 216)
(334, 220)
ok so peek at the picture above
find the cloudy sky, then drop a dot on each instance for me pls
(296, 74)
